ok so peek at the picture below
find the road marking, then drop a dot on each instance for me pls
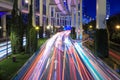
(48, 62)
(55, 63)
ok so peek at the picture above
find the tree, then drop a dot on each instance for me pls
(111, 24)
(31, 33)
(16, 35)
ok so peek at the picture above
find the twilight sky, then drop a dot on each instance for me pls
(91, 7)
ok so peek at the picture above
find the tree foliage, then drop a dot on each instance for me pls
(16, 35)
(101, 43)
(31, 34)
(111, 23)
(113, 32)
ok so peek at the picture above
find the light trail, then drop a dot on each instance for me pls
(64, 59)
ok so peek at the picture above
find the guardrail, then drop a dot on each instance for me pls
(7, 1)
(115, 47)
(5, 48)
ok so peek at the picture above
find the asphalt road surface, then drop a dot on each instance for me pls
(62, 58)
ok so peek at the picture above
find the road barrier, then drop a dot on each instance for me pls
(5, 48)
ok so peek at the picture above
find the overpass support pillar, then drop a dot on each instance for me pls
(55, 18)
(34, 17)
(64, 21)
(53, 12)
(41, 22)
(81, 25)
(41, 12)
(59, 18)
(72, 19)
(31, 2)
(20, 4)
(77, 28)
(69, 20)
(101, 36)
(49, 18)
(47, 11)
(3, 24)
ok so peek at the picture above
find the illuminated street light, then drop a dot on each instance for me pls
(48, 27)
(90, 26)
(0, 27)
(118, 27)
(26, 1)
(107, 17)
(51, 27)
(37, 28)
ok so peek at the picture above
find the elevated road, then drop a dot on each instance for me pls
(61, 58)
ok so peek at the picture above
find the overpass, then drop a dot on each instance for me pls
(61, 13)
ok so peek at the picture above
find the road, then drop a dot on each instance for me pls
(61, 58)
(114, 55)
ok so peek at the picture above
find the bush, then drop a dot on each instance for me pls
(101, 43)
(31, 41)
(16, 39)
(116, 38)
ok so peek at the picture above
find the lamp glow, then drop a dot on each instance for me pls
(48, 27)
(37, 28)
(90, 26)
(0, 27)
(118, 27)
(26, 1)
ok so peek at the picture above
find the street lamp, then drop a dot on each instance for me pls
(51, 28)
(0, 27)
(37, 29)
(26, 1)
(117, 27)
(48, 27)
(48, 30)
(90, 26)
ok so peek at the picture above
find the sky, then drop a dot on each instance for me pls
(90, 6)
(115, 6)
